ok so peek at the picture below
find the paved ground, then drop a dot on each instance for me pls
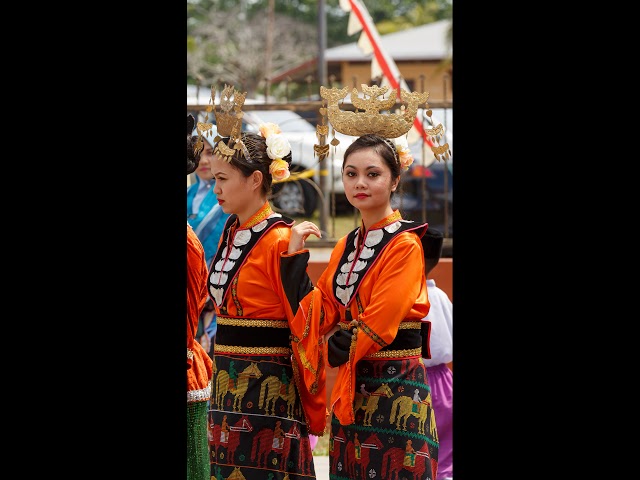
(321, 464)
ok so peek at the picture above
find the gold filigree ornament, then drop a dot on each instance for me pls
(370, 120)
(368, 117)
(321, 149)
(436, 134)
(228, 121)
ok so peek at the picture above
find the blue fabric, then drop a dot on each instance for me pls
(209, 222)
(208, 225)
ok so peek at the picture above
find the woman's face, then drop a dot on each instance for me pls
(367, 180)
(231, 187)
(204, 168)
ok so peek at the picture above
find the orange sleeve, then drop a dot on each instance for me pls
(316, 314)
(196, 289)
(400, 269)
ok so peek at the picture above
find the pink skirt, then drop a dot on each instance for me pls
(441, 382)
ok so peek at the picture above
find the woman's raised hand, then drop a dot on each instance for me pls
(299, 234)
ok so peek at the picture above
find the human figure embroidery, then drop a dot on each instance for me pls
(278, 436)
(284, 388)
(233, 376)
(224, 430)
(416, 401)
(365, 395)
(409, 455)
(357, 446)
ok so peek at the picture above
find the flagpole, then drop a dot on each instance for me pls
(322, 79)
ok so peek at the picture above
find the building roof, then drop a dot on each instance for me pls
(426, 42)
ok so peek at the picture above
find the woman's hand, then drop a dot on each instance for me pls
(299, 233)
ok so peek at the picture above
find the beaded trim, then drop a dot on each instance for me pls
(403, 325)
(414, 352)
(394, 217)
(200, 395)
(264, 212)
(410, 325)
(242, 322)
(252, 350)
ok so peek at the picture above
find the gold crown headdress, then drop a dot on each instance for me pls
(228, 122)
(368, 119)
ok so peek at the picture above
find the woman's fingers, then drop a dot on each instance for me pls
(300, 232)
(307, 228)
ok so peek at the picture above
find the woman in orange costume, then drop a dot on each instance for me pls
(369, 304)
(199, 364)
(252, 311)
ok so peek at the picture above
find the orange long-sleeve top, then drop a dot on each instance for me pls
(384, 271)
(199, 364)
(246, 283)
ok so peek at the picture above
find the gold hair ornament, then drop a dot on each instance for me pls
(228, 121)
(440, 152)
(390, 125)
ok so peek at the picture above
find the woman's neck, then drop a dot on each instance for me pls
(251, 208)
(370, 218)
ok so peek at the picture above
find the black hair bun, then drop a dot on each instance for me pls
(191, 123)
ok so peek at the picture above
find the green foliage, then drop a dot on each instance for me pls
(226, 37)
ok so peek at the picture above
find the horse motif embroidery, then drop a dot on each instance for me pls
(371, 404)
(224, 385)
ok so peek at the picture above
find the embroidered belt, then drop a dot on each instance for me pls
(245, 335)
(403, 325)
(219, 348)
(251, 322)
(408, 342)
(413, 352)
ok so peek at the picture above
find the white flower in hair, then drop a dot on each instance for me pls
(278, 147)
(404, 154)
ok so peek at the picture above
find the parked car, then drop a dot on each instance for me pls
(302, 196)
(426, 194)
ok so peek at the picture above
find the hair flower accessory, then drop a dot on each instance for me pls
(279, 170)
(278, 147)
(404, 154)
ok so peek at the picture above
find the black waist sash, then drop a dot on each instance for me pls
(252, 332)
(406, 339)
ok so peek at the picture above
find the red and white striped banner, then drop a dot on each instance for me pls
(370, 41)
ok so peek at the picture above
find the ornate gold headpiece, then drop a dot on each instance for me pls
(391, 125)
(368, 119)
(436, 134)
(228, 122)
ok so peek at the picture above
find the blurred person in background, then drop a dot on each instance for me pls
(206, 217)
(199, 364)
(437, 353)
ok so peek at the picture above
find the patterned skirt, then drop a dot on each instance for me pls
(256, 425)
(394, 435)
